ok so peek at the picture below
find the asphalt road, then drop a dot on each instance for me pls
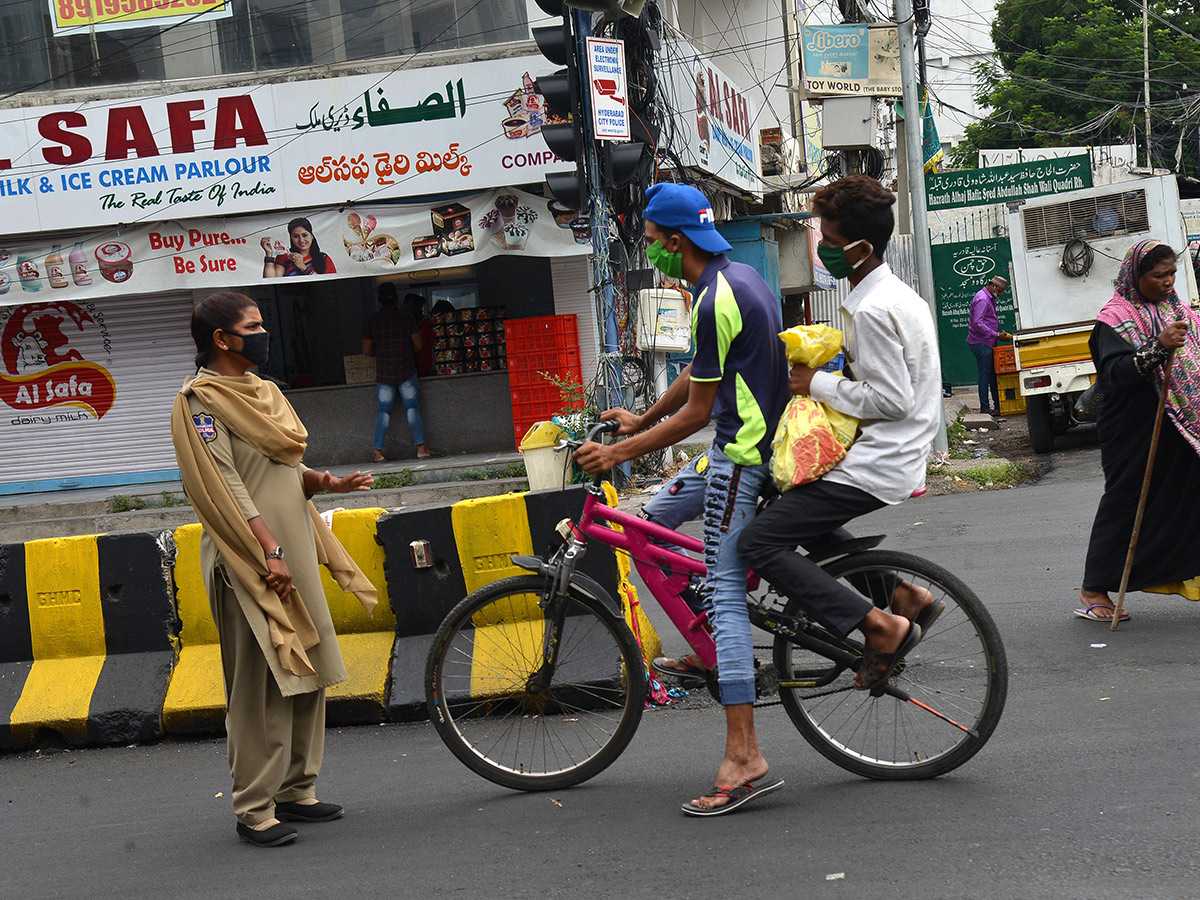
(1087, 790)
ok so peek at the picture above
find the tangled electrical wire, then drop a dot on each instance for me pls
(1077, 258)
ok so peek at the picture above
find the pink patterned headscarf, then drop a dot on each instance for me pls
(1138, 320)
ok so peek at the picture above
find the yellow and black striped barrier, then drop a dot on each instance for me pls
(109, 639)
(85, 640)
(196, 699)
(469, 546)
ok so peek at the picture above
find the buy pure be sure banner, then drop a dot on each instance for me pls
(365, 240)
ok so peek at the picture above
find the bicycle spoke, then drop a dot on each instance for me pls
(954, 691)
(514, 718)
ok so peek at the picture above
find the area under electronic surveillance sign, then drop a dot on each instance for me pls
(606, 82)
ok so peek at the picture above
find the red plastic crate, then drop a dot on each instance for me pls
(547, 344)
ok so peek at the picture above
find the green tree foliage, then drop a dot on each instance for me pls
(1070, 74)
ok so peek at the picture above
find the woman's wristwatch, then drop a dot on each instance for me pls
(277, 553)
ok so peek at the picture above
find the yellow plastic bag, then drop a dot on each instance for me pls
(811, 438)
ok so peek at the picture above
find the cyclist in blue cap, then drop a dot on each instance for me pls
(739, 376)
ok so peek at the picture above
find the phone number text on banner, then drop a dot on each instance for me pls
(69, 16)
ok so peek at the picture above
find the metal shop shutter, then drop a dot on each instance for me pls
(112, 367)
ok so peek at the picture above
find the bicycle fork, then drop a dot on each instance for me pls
(558, 586)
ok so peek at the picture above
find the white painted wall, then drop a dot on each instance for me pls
(960, 37)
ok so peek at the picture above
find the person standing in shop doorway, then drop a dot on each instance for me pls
(982, 333)
(391, 337)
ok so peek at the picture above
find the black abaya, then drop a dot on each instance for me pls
(1168, 548)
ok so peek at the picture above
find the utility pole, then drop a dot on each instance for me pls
(914, 144)
(1146, 74)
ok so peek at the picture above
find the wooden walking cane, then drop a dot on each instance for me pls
(1141, 507)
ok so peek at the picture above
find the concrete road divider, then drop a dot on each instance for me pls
(195, 701)
(16, 642)
(196, 696)
(366, 640)
(92, 618)
(468, 546)
(110, 638)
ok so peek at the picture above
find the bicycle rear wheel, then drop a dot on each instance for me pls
(959, 669)
(496, 708)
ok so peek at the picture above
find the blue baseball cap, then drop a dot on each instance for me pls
(680, 207)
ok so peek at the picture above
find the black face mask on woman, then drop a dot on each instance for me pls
(256, 347)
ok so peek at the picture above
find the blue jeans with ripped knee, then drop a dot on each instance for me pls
(412, 406)
(729, 505)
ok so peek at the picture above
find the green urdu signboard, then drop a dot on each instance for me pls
(960, 271)
(1000, 184)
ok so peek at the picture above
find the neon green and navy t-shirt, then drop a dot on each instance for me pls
(736, 323)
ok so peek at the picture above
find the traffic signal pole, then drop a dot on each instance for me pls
(602, 283)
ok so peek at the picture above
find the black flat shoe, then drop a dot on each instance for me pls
(313, 812)
(272, 837)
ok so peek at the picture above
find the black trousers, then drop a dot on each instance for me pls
(811, 516)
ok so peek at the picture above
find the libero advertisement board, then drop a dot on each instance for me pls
(410, 132)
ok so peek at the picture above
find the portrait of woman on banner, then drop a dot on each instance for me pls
(303, 258)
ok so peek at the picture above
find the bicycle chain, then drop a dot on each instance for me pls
(765, 703)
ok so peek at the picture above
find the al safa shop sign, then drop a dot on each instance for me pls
(445, 129)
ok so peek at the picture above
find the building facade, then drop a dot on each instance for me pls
(151, 155)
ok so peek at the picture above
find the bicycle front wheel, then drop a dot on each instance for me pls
(534, 699)
(957, 678)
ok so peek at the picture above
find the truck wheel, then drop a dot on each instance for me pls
(1041, 423)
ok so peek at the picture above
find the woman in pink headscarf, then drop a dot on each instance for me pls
(1134, 336)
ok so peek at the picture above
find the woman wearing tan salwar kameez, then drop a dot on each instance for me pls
(239, 444)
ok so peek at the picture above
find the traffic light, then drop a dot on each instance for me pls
(563, 130)
(624, 163)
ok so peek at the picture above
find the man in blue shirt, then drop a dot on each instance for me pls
(738, 376)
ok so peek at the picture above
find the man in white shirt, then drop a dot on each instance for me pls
(895, 389)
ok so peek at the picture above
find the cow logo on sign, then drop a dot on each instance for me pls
(42, 374)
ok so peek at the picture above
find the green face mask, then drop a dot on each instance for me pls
(834, 259)
(670, 264)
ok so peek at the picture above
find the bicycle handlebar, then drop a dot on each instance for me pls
(595, 431)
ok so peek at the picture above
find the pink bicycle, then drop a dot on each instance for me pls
(537, 682)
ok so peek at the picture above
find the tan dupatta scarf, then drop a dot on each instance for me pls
(257, 413)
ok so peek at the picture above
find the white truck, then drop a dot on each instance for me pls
(1067, 249)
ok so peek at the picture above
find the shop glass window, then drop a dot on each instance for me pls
(466, 297)
(35, 60)
(261, 35)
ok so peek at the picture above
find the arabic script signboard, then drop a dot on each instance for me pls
(960, 271)
(851, 60)
(443, 129)
(999, 184)
(366, 240)
(79, 16)
(606, 79)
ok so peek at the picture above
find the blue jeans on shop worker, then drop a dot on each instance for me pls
(985, 361)
(410, 398)
(729, 505)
